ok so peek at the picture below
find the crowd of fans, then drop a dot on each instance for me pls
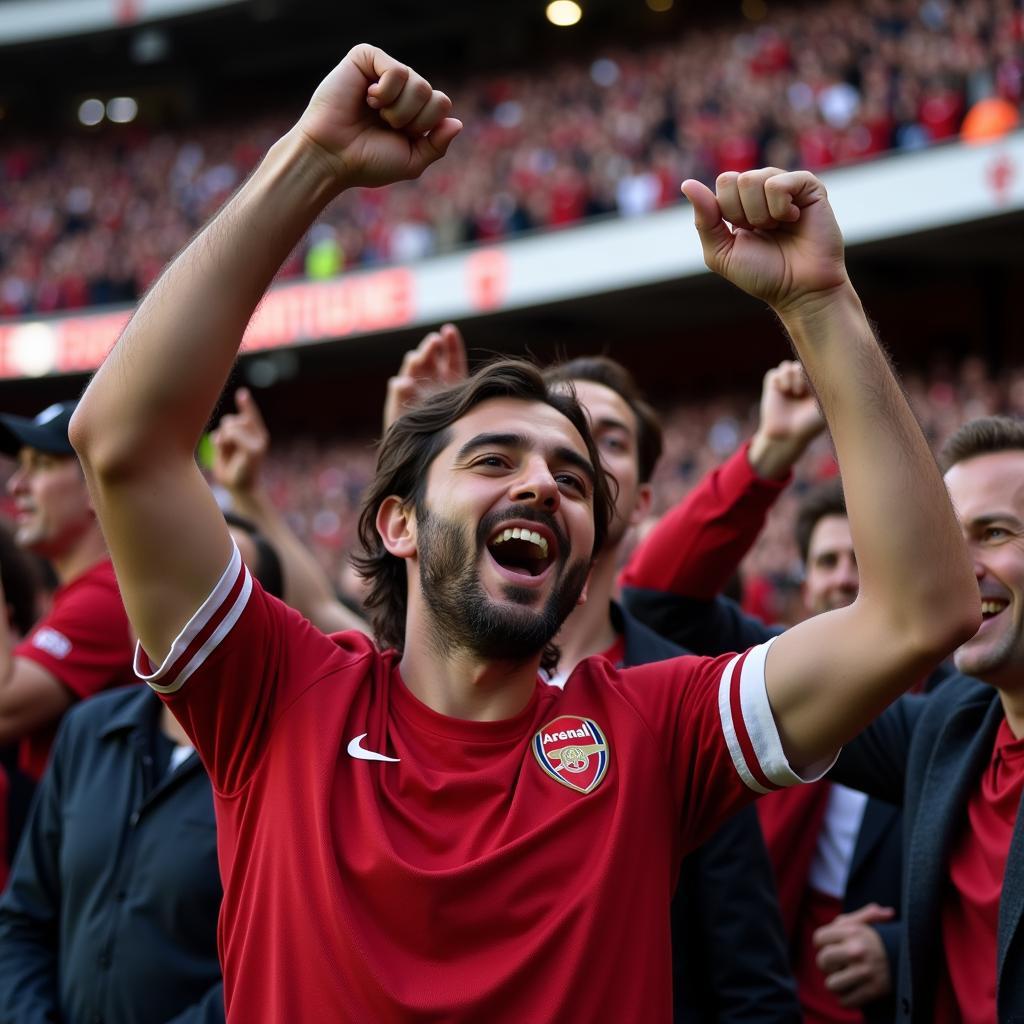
(319, 486)
(93, 220)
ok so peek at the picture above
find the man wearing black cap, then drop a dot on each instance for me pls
(83, 644)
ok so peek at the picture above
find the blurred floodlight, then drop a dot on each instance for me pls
(261, 373)
(149, 46)
(91, 112)
(660, 5)
(32, 349)
(122, 109)
(564, 12)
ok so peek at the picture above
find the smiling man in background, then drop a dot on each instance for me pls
(82, 645)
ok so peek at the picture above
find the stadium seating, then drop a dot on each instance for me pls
(91, 220)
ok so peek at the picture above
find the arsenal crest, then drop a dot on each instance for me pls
(573, 751)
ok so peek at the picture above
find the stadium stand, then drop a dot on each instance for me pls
(91, 220)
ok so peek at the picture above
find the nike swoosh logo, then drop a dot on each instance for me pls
(357, 750)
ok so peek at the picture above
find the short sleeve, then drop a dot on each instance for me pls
(85, 640)
(239, 661)
(713, 720)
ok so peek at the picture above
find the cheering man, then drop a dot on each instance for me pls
(432, 831)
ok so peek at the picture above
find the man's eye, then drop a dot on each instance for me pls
(491, 462)
(573, 481)
(995, 533)
(613, 444)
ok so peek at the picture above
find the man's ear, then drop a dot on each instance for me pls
(642, 505)
(396, 524)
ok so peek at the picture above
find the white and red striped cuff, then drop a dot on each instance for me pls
(202, 633)
(750, 730)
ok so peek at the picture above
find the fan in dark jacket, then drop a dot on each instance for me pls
(111, 909)
(955, 762)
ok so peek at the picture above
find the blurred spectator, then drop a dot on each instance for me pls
(93, 220)
(23, 593)
(111, 912)
(319, 486)
(82, 644)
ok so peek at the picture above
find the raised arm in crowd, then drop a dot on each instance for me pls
(470, 605)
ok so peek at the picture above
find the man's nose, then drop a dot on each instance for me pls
(537, 486)
(16, 481)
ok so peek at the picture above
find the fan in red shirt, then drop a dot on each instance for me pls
(83, 645)
(430, 830)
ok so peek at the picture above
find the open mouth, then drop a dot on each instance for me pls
(521, 551)
(993, 606)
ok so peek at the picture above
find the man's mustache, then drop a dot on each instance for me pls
(493, 520)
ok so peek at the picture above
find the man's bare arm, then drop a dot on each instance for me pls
(696, 547)
(370, 122)
(829, 676)
(30, 696)
(240, 445)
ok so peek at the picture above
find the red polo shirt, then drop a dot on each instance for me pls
(84, 641)
(970, 909)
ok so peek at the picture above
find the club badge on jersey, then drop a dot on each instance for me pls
(573, 751)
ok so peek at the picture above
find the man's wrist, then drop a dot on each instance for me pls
(298, 156)
(810, 314)
(773, 459)
(248, 500)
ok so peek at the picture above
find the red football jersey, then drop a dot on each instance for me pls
(383, 862)
(85, 641)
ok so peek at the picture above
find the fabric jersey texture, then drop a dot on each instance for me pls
(384, 862)
(977, 867)
(84, 641)
(672, 583)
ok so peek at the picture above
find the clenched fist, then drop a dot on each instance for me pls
(376, 120)
(784, 245)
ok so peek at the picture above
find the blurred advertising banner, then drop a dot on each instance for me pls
(882, 201)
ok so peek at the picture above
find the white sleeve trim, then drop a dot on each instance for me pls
(759, 726)
(170, 667)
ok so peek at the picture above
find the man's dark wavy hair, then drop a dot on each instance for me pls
(614, 376)
(404, 458)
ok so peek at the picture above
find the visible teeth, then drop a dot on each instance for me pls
(515, 533)
(992, 607)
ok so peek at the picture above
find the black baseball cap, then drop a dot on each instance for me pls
(47, 432)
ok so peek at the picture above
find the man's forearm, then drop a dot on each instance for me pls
(307, 587)
(909, 550)
(170, 364)
(697, 546)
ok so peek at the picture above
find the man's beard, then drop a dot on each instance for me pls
(464, 617)
(994, 661)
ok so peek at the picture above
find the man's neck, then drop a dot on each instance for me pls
(1013, 708)
(462, 685)
(89, 549)
(589, 629)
